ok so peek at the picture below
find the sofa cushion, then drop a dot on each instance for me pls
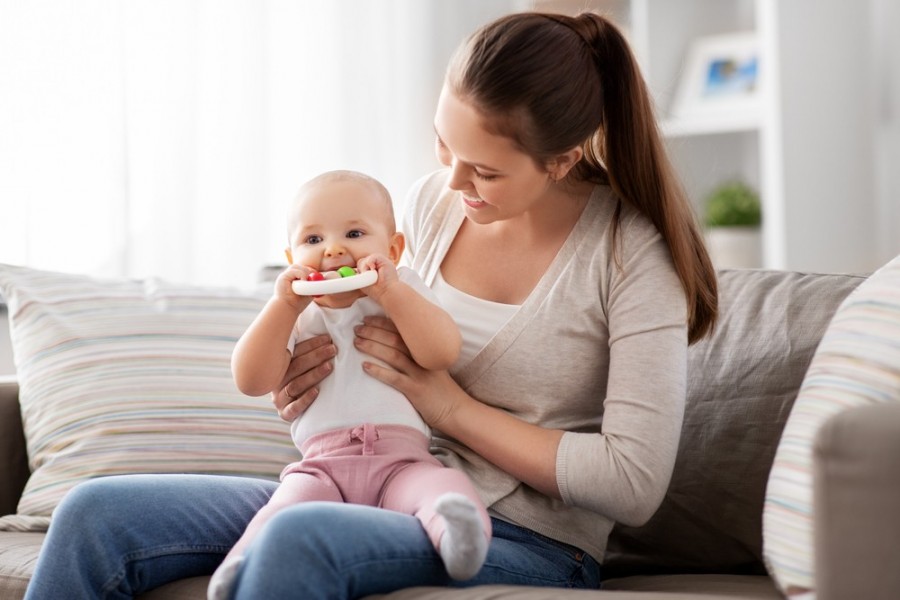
(122, 376)
(742, 382)
(18, 556)
(857, 363)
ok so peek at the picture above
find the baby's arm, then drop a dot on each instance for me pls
(428, 331)
(261, 358)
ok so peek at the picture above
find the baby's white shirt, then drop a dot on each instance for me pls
(349, 397)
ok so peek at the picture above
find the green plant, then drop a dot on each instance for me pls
(733, 204)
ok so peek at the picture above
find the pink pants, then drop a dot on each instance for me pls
(388, 466)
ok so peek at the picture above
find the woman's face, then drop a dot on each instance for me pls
(496, 180)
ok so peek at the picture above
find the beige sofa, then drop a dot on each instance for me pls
(706, 539)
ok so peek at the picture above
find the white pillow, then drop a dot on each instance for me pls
(856, 363)
(121, 376)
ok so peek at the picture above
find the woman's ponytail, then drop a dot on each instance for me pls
(629, 145)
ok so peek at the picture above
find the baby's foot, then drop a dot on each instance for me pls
(464, 544)
(223, 579)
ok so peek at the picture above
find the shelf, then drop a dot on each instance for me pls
(710, 125)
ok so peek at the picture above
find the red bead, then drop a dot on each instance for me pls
(315, 276)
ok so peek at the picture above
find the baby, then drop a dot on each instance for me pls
(345, 219)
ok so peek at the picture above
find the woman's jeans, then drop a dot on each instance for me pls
(117, 537)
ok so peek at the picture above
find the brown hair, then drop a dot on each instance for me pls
(552, 82)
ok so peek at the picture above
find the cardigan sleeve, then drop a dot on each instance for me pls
(624, 470)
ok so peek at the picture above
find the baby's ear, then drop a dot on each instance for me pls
(395, 251)
(290, 257)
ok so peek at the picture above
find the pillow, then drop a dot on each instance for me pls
(857, 363)
(123, 376)
(742, 381)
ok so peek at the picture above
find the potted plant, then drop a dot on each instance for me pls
(732, 217)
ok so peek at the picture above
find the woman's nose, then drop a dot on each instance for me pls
(459, 179)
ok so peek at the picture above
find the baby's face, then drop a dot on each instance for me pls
(338, 223)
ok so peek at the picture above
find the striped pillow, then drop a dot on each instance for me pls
(121, 376)
(856, 363)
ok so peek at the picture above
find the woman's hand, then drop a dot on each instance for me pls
(311, 363)
(430, 392)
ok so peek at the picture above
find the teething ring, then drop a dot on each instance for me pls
(334, 286)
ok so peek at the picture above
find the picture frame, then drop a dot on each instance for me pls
(720, 79)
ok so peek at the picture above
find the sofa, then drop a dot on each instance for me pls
(706, 540)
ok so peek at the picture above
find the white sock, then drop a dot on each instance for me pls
(464, 545)
(223, 579)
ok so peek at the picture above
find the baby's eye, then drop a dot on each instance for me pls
(354, 234)
(313, 239)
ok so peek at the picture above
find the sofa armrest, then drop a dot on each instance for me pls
(13, 454)
(856, 471)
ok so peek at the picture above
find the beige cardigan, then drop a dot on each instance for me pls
(597, 350)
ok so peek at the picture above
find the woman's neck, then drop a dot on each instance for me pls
(520, 249)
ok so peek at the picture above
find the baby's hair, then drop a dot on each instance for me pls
(351, 176)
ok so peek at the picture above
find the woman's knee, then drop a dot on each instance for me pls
(89, 500)
(307, 523)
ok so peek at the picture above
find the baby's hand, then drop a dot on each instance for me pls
(387, 274)
(283, 283)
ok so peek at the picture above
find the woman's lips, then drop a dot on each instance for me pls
(473, 202)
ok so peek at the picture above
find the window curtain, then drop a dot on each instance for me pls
(165, 137)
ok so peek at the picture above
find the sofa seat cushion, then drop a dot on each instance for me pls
(656, 587)
(122, 376)
(857, 363)
(18, 556)
(745, 587)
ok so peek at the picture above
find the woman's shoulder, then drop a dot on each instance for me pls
(637, 246)
(634, 229)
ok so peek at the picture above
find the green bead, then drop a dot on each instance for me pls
(346, 271)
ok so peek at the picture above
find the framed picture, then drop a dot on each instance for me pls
(720, 78)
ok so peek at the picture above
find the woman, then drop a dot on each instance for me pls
(561, 242)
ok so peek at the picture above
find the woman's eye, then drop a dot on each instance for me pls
(313, 239)
(354, 233)
(484, 177)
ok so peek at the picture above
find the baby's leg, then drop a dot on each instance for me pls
(294, 488)
(446, 503)
(464, 545)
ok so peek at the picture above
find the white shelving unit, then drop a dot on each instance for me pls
(808, 150)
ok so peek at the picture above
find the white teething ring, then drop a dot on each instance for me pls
(334, 286)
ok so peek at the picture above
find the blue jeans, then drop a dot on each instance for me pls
(117, 537)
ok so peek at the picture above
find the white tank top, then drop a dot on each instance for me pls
(478, 320)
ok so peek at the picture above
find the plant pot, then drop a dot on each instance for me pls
(735, 247)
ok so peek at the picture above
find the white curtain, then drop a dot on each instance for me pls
(165, 137)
